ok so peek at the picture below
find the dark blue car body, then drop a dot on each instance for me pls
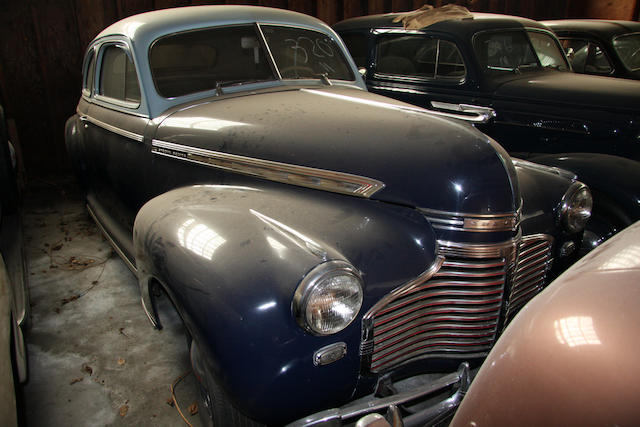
(235, 200)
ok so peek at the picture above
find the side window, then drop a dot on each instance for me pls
(420, 56)
(586, 56)
(357, 43)
(118, 79)
(89, 73)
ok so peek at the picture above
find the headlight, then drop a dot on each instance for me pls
(328, 298)
(575, 208)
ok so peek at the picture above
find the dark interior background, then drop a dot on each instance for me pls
(43, 43)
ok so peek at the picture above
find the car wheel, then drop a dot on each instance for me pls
(214, 407)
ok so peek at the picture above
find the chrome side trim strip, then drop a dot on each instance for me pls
(114, 129)
(304, 176)
(112, 242)
(463, 214)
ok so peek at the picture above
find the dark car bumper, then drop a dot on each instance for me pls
(415, 403)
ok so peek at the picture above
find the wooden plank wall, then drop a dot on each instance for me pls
(42, 43)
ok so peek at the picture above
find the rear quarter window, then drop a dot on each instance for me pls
(118, 78)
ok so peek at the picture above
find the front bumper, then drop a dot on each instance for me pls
(409, 402)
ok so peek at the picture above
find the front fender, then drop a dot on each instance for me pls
(232, 257)
(612, 180)
(542, 189)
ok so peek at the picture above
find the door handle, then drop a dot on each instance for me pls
(467, 112)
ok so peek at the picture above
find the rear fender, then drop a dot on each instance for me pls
(231, 259)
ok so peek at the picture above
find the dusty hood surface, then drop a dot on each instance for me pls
(423, 160)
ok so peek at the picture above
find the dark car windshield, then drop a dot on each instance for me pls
(200, 60)
(518, 51)
(628, 49)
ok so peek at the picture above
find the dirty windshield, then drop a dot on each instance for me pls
(518, 51)
(306, 54)
(196, 61)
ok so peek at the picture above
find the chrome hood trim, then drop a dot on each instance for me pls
(303, 176)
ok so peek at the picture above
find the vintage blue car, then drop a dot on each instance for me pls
(330, 251)
(510, 77)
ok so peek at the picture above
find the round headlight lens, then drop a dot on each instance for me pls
(328, 298)
(576, 208)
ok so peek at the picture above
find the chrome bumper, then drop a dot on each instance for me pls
(458, 382)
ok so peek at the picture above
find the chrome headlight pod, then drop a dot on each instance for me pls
(575, 207)
(328, 298)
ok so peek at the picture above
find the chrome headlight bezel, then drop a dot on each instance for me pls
(310, 288)
(575, 208)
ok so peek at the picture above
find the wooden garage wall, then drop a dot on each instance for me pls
(43, 42)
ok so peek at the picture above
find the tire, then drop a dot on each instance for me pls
(214, 406)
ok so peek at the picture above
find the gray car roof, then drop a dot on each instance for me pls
(144, 28)
(140, 31)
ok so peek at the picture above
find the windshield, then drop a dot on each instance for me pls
(628, 49)
(303, 54)
(200, 60)
(518, 51)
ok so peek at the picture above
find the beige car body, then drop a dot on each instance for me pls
(570, 357)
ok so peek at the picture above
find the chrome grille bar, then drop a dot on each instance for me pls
(534, 261)
(454, 309)
(454, 313)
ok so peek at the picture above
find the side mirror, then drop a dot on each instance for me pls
(363, 72)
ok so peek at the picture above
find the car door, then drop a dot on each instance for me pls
(420, 68)
(114, 123)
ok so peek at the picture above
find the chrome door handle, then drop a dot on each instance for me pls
(468, 112)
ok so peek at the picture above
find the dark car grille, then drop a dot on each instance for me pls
(456, 311)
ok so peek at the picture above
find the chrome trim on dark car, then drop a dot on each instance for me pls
(329, 354)
(565, 205)
(472, 222)
(304, 176)
(472, 113)
(111, 128)
(534, 262)
(458, 382)
(112, 242)
(458, 307)
(318, 274)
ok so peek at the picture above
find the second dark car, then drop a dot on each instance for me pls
(509, 76)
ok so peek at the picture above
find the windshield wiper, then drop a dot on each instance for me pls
(324, 78)
(223, 83)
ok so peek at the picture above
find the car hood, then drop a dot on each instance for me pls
(554, 87)
(423, 160)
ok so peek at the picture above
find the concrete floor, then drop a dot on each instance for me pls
(94, 359)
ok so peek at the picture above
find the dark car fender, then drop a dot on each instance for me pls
(614, 182)
(231, 257)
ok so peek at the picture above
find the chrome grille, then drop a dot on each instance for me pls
(534, 261)
(455, 313)
(455, 309)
